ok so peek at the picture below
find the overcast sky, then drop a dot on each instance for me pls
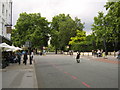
(85, 10)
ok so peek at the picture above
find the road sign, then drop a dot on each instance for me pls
(27, 44)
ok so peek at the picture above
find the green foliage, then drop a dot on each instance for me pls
(31, 27)
(81, 36)
(64, 31)
(51, 48)
(106, 28)
(81, 42)
(15, 37)
(63, 27)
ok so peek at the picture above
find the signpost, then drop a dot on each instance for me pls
(28, 45)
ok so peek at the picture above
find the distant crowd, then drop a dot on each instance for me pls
(98, 53)
(101, 53)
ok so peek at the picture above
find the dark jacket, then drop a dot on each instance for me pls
(78, 56)
(25, 57)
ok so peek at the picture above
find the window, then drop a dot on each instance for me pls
(3, 8)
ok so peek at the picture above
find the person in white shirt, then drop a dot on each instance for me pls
(32, 54)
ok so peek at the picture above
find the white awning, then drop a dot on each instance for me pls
(6, 47)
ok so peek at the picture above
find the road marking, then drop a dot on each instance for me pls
(71, 75)
(66, 72)
(74, 77)
(85, 84)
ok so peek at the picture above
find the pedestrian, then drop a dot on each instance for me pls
(44, 52)
(15, 60)
(103, 55)
(118, 55)
(78, 57)
(98, 53)
(19, 54)
(23, 52)
(92, 52)
(101, 52)
(25, 57)
(41, 53)
(31, 59)
(32, 54)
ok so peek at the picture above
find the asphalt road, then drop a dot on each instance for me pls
(60, 71)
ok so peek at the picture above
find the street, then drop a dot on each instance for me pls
(62, 71)
(60, 44)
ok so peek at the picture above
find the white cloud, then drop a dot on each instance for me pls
(83, 9)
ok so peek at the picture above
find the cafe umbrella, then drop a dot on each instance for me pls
(13, 48)
(4, 46)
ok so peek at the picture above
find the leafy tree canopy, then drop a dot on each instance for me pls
(63, 27)
(31, 27)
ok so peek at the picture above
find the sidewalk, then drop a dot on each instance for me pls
(107, 59)
(19, 76)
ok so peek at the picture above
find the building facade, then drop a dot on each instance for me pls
(5, 20)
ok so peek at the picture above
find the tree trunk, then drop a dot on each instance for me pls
(115, 45)
(56, 51)
(104, 41)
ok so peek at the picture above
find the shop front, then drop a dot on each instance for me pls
(3, 54)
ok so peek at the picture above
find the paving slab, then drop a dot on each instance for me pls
(19, 76)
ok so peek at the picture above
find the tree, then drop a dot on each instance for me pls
(15, 38)
(114, 24)
(63, 27)
(100, 30)
(78, 42)
(31, 27)
(90, 42)
(106, 27)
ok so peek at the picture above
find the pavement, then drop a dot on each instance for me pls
(19, 76)
(106, 59)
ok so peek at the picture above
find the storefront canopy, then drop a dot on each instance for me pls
(6, 47)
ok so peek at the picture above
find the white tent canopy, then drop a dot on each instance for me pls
(13, 48)
(2, 45)
(6, 47)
